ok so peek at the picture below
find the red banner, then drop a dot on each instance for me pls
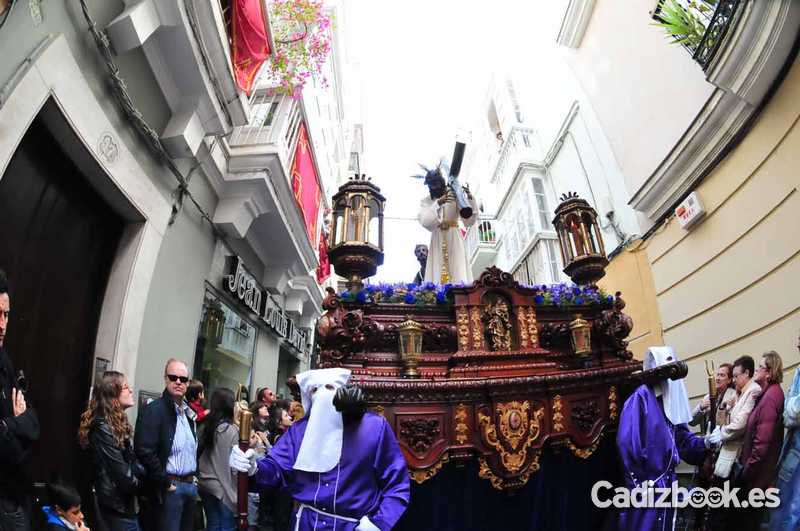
(324, 269)
(250, 41)
(305, 184)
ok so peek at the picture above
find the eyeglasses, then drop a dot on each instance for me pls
(126, 387)
(763, 367)
(176, 378)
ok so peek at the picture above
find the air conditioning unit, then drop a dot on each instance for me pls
(690, 211)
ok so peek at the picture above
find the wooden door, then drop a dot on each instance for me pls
(58, 238)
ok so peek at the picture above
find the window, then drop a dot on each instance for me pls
(225, 346)
(263, 114)
(553, 261)
(541, 204)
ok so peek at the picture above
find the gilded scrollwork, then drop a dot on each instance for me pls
(519, 430)
(583, 453)
(612, 403)
(500, 483)
(477, 328)
(423, 475)
(533, 334)
(522, 321)
(462, 429)
(558, 415)
(462, 320)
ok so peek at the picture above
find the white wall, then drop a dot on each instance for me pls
(644, 90)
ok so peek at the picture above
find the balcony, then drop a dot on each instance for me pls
(517, 148)
(744, 49)
(270, 136)
(482, 242)
(186, 44)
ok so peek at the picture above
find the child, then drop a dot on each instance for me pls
(195, 395)
(65, 510)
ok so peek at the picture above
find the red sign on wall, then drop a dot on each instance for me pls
(305, 184)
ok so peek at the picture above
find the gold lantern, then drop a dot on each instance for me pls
(581, 336)
(356, 239)
(580, 240)
(410, 338)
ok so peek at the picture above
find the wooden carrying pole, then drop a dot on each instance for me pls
(243, 479)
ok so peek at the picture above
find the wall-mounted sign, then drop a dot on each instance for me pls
(244, 287)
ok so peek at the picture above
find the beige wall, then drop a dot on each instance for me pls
(730, 285)
(645, 91)
(629, 272)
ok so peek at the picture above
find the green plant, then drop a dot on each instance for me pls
(685, 22)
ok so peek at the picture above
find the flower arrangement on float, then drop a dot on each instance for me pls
(561, 295)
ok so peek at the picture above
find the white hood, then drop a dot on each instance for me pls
(675, 399)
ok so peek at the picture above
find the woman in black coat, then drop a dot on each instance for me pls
(106, 431)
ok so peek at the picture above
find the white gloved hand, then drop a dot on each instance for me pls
(243, 461)
(366, 525)
(714, 438)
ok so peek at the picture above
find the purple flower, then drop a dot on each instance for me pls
(409, 298)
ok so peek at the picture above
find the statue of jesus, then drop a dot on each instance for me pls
(439, 213)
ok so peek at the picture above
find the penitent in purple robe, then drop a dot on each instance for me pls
(651, 448)
(371, 478)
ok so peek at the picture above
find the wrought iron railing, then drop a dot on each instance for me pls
(716, 30)
(697, 15)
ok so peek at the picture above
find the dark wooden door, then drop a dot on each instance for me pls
(57, 242)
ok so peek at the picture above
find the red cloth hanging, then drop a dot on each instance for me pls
(305, 184)
(250, 41)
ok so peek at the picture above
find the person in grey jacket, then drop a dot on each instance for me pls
(216, 480)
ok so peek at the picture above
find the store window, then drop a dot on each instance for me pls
(225, 346)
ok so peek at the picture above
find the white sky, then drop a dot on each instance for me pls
(425, 67)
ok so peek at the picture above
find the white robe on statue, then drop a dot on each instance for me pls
(447, 254)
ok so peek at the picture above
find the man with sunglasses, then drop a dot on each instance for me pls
(166, 444)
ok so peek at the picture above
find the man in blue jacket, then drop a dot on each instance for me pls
(166, 445)
(19, 427)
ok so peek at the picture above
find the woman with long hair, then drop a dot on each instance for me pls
(279, 422)
(216, 480)
(106, 431)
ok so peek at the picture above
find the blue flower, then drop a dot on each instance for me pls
(388, 291)
(411, 286)
(409, 298)
(610, 299)
(544, 287)
(578, 300)
(538, 299)
(362, 296)
(429, 286)
(441, 297)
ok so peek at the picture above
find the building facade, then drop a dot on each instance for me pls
(532, 146)
(151, 208)
(713, 178)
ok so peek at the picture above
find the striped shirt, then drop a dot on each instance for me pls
(182, 459)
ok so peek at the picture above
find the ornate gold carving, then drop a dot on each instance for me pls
(497, 322)
(462, 320)
(444, 278)
(424, 474)
(558, 416)
(583, 453)
(523, 327)
(533, 333)
(518, 428)
(462, 430)
(612, 403)
(477, 328)
(500, 483)
(379, 410)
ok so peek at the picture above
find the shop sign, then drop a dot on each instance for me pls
(244, 287)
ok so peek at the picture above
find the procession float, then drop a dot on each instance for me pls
(504, 397)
